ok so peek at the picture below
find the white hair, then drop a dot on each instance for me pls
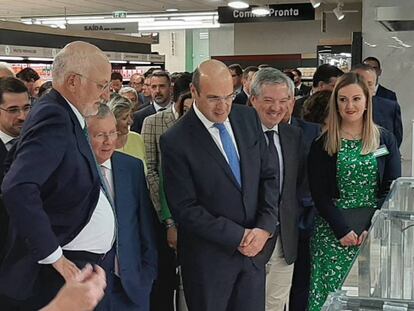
(76, 57)
(6, 67)
(126, 90)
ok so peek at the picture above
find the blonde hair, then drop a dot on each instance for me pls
(370, 131)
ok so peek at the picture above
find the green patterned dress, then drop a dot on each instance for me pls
(357, 184)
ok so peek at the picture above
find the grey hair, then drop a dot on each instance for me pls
(270, 75)
(6, 67)
(76, 57)
(126, 90)
(103, 112)
(118, 105)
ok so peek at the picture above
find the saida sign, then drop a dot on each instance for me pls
(106, 27)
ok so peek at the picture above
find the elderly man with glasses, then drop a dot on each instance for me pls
(61, 216)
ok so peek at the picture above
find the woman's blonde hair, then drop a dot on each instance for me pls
(370, 132)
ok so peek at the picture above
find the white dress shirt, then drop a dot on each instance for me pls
(6, 139)
(99, 233)
(279, 151)
(215, 133)
(158, 107)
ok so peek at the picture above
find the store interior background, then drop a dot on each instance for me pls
(184, 49)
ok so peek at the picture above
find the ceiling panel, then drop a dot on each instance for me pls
(28, 8)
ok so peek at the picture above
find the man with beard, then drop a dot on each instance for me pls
(61, 217)
(161, 99)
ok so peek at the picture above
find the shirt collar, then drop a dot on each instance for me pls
(78, 115)
(107, 164)
(5, 138)
(174, 111)
(275, 128)
(207, 123)
(376, 88)
(158, 107)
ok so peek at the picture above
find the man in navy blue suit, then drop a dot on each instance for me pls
(380, 91)
(60, 216)
(136, 257)
(386, 112)
(222, 189)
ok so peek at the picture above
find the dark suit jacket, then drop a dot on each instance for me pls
(137, 248)
(293, 176)
(324, 188)
(310, 131)
(387, 113)
(304, 90)
(241, 98)
(139, 117)
(4, 218)
(205, 198)
(385, 93)
(50, 191)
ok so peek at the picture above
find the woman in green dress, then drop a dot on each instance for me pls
(351, 166)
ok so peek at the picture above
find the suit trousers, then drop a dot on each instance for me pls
(241, 289)
(278, 280)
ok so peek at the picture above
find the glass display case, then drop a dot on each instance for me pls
(382, 275)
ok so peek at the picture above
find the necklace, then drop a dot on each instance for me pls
(353, 136)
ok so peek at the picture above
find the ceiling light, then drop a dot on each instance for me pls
(238, 4)
(171, 10)
(139, 63)
(315, 3)
(40, 59)
(11, 58)
(338, 12)
(261, 11)
(118, 61)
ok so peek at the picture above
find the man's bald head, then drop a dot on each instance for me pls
(212, 89)
(210, 69)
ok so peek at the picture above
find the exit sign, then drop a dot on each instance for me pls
(119, 14)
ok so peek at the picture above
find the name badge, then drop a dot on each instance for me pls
(381, 151)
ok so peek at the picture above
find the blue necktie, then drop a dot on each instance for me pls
(230, 151)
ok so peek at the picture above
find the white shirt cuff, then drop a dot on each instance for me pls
(52, 258)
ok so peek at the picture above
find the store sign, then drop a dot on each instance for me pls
(277, 13)
(106, 27)
(119, 14)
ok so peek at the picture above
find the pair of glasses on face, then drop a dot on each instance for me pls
(218, 99)
(102, 87)
(101, 137)
(16, 110)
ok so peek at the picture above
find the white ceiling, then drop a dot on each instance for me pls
(27, 8)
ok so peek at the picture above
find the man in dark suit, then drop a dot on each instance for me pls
(14, 107)
(60, 215)
(223, 193)
(380, 91)
(161, 99)
(247, 76)
(300, 88)
(272, 91)
(386, 112)
(324, 78)
(136, 258)
(299, 291)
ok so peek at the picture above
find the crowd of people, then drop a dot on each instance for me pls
(225, 189)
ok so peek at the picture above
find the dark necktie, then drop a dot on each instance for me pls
(273, 155)
(230, 151)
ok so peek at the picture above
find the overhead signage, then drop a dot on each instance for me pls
(119, 14)
(277, 13)
(106, 27)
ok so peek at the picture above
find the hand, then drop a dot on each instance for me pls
(350, 239)
(247, 238)
(172, 237)
(82, 293)
(67, 269)
(257, 238)
(362, 237)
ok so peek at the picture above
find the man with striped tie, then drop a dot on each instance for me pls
(222, 190)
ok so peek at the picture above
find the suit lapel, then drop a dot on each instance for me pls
(288, 153)
(202, 137)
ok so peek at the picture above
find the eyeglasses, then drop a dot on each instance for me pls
(101, 137)
(16, 111)
(102, 87)
(219, 99)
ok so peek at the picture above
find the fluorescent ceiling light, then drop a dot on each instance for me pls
(139, 63)
(118, 61)
(11, 58)
(338, 12)
(315, 3)
(171, 10)
(40, 59)
(261, 11)
(238, 4)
